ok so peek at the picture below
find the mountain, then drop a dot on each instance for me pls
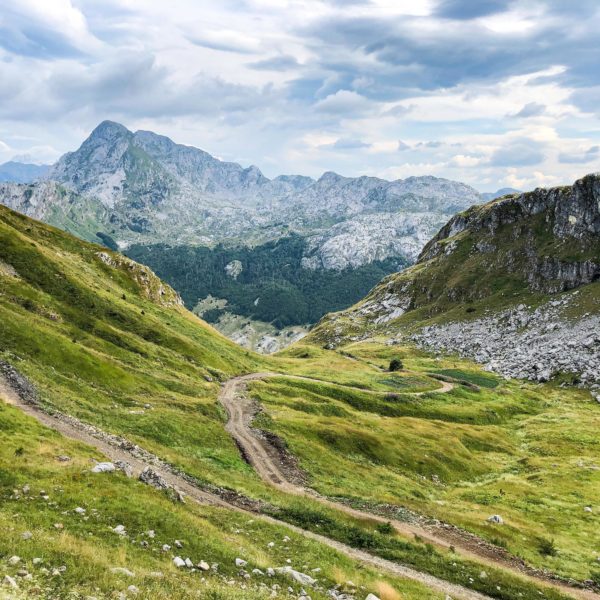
(145, 455)
(499, 193)
(513, 284)
(18, 172)
(160, 202)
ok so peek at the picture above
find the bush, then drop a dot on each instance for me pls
(547, 547)
(385, 528)
(395, 365)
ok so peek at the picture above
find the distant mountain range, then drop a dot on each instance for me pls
(136, 190)
(18, 172)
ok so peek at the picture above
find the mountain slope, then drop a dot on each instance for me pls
(103, 343)
(498, 266)
(160, 201)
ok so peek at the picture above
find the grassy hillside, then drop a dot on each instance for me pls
(526, 452)
(104, 340)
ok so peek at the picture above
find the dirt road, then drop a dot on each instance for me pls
(269, 464)
(79, 432)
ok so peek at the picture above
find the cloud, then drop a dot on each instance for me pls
(518, 153)
(575, 158)
(45, 30)
(402, 146)
(277, 63)
(225, 41)
(469, 9)
(532, 109)
(343, 102)
(346, 144)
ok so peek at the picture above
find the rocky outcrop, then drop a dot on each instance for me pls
(526, 343)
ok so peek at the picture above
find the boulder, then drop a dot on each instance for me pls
(103, 467)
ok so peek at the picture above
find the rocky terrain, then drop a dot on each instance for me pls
(147, 189)
(526, 343)
(486, 287)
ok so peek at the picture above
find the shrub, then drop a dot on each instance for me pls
(395, 365)
(547, 547)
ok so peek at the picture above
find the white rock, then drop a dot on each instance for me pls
(120, 530)
(14, 560)
(372, 597)
(104, 467)
(10, 582)
(496, 519)
(166, 547)
(188, 563)
(178, 561)
(240, 562)
(301, 578)
(80, 511)
(587, 509)
(132, 589)
(203, 565)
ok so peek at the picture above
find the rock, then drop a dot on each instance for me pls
(178, 561)
(257, 572)
(240, 562)
(10, 582)
(63, 458)
(188, 563)
(14, 560)
(151, 477)
(122, 571)
(372, 597)
(151, 534)
(120, 530)
(103, 467)
(37, 561)
(178, 544)
(166, 547)
(271, 572)
(301, 578)
(26, 489)
(496, 519)
(587, 509)
(132, 589)
(203, 566)
(80, 511)
(125, 467)
(26, 535)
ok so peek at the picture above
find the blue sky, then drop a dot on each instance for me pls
(494, 93)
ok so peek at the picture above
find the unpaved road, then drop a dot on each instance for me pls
(265, 460)
(114, 453)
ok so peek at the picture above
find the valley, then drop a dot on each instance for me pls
(404, 468)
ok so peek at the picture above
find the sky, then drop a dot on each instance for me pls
(494, 93)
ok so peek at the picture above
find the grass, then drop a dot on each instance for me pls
(109, 344)
(527, 452)
(89, 549)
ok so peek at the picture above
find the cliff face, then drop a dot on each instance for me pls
(522, 253)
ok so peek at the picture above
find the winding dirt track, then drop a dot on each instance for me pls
(264, 459)
(191, 491)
